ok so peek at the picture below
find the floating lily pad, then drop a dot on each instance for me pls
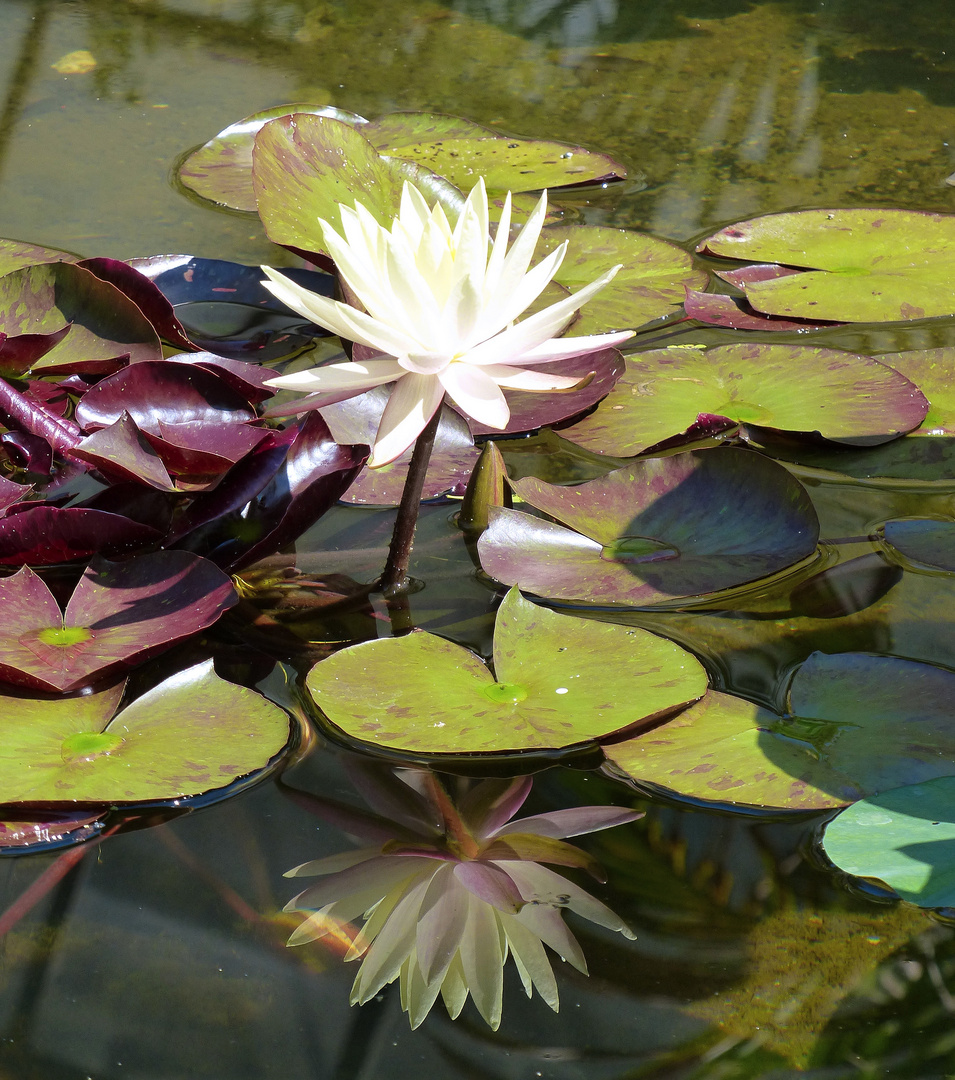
(119, 613)
(306, 166)
(45, 829)
(933, 372)
(41, 535)
(928, 542)
(717, 309)
(661, 528)
(856, 724)
(866, 265)
(841, 396)
(105, 324)
(15, 254)
(904, 838)
(557, 682)
(191, 734)
(650, 284)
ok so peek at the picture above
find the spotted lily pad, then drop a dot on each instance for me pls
(15, 254)
(651, 283)
(843, 397)
(927, 542)
(933, 372)
(661, 528)
(904, 838)
(190, 734)
(119, 613)
(557, 682)
(850, 725)
(865, 265)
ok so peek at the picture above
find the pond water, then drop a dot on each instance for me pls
(162, 954)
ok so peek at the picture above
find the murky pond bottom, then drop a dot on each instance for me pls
(163, 952)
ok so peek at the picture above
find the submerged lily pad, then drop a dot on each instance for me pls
(118, 613)
(661, 528)
(904, 838)
(188, 735)
(45, 829)
(865, 265)
(650, 284)
(839, 395)
(557, 682)
(855, 724)
(928, 542)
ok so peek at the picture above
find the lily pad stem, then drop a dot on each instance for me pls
(394, 581)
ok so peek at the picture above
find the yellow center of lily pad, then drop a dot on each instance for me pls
(505, 693)
(87, 745)
(64, 636)
(638, 549)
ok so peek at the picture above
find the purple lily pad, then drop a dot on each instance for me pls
(225, 309)
(121, 451)
(531, 411)
(246, 379)
(454, 456)
(106, 327)
(144, 294)
(843, 397)
(41, 535)
(659, 529)
(18, 354)
(717, 309)
(43, 829)
(29, 453)
(119, 614)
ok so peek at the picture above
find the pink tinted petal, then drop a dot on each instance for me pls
(492, 802)
(546, 923)
(576, 821)
(542, 886)
(476, 393)
(511, 378)
(444, 911)
(482, 956)
(414, 400)
(491, 884)
(566, 347)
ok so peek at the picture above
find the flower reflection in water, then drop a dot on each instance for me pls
(451, 889)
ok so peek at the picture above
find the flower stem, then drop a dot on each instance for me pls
(394, 581)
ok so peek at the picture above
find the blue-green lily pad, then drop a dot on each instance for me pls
(188, 735)
(655, 530)
(557, 682)
(904, 838)
(927, 542)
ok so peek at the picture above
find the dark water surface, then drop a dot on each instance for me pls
(162, 956)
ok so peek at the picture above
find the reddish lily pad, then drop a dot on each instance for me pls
(44, 829)
(843, 397)
(661, 528)
(650, 284)
(865, 265)
(717, 309)
(221, 169)
(191, 734)
(933, 372)
(306, 166)
(105, 325)
(557, 682)
(41, 535)
(119, 613)
(855, 724)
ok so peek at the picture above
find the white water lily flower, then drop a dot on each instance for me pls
(440, 310)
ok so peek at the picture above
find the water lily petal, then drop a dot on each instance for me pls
(518, 258)
(512, 378)
(566, 347)
(476, 393)
(382, 873)
(417, 994)
(495, 262)
(541, 886)
(488, 805)
(339, 318)
(546, 924)
(444, 911)
(331, 378)
(392, 946)
(574, 821)
(332, 864)
(531, 960)
(512, 298)
(490, 883)
(413, 402)
(482, 957)
(454, 990)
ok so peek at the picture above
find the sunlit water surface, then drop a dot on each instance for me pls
(163, 954)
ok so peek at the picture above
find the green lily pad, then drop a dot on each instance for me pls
(461, 151)
(841, 396)
(120, 612)
(221, 169)
(188, 735)
(658, 529)
(305, 167)
(855, 724)
(105, 325)
(650, 284)
(15, 254)
(932, 371)
(866, 265)
(904, 838)
(457, 149)
(928, 542)
(557, 682)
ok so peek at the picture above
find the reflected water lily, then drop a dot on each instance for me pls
(440, 310)
(457, 889)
